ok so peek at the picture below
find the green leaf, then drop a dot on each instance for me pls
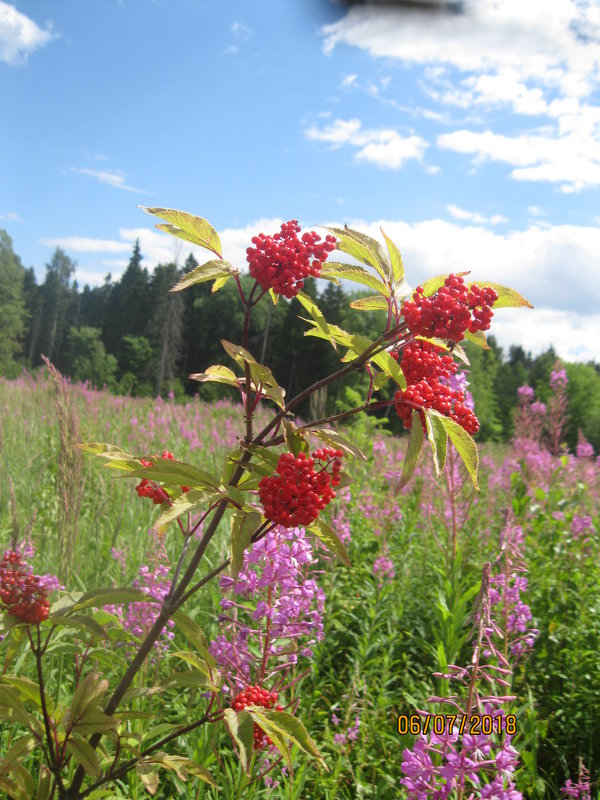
(241, 728)
(330, 540)
(336, 440)
(373, 303)
(263, 379)
(200, 665)
(194, 635)
(148, 774)
(317, 315)
(21, 748)
(217, 373)
(466, 447)
(280, 722)
(189, 502)
(187, 226)
(211, 270)
(507, 298)
(438, 438)
(84, 754)
(28, 690)
(353, 273)
(431, 286)
(477, 338)
(89, 691)
(220, 283)
(395, 258)
(413, 450)
(101, 597)
(296, 439)
(391, 367)
(363, 248)
(243, 525)
(103, 449)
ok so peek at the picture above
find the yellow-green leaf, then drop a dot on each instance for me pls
(84, 754)
(363, 248)
(373, 303)
(395, 258)
(438, 438)
(241, 728)
(243, 525)
(287, 725)
(331, 540)
(466, 447)
(357, 274)
(413, 450)
(217, 373)
(507, 297)
(189, 227)
(218, 268)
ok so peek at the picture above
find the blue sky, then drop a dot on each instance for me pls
(471, 137)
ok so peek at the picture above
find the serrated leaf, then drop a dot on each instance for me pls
(194, 635)
(189, 227)
(84, 754)
(28, 690)
(241, 728)
(104, 597)
(507, 297)
(395, 258)
(88, 692)
(200, 665)
(283, 723)
(380, 379)
(217, 268)
(243, 525)
(220, 283)
(391, 367)
(330, 539)
(464, 444)
(317, 315)
(262, 378)
(148, 774)
(296, 440)
(373, 303)
(438, 438)
(353, 273)
(15, 714)
(217, 373)
(17, 752)
(336, 440)
(413, 449)
(363, 248)
(189, 502)
(477, 338)
(238, 353)
(103, 449)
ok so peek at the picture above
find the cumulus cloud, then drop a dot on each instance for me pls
(555, 268)
(114, 179)
(384, 147)
(19, 35)
(538, 60)
(11, 216)
(474, 216)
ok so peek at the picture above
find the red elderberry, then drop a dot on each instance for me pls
(21, 592)
(282, 261)
(452, 310)
(257, 696)
(295, 494)
(148, 488)
(424, 369)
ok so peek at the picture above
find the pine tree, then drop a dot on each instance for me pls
(12, 305)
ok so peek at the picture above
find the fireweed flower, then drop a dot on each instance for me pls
(581, 790)
(479, 766)
(155, 580)
(272, 610)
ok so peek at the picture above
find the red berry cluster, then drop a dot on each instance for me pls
(424, 368)
(255, 696)
(452, 310)
(151, 489)
(280, 262)
(296, 493)
(21, 592)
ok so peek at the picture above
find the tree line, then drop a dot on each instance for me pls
(136, 338)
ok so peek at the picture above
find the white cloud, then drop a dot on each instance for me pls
(474, 216)
(538, 59)
(572, 161)
(384, 147)
(555, 268)
(11, 216)
(114, 179)
(19, 35)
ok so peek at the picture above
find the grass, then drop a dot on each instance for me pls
(384, 636)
